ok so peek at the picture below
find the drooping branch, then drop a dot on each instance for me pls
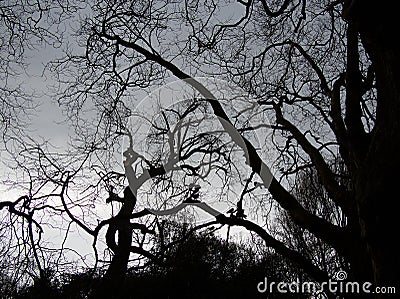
(278, 246)
(335, 191)
(67, 210)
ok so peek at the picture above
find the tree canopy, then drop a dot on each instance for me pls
(284, 112)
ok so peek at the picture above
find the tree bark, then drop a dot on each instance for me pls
(376, 183)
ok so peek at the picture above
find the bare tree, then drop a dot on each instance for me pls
(326, 74)
(30, 167)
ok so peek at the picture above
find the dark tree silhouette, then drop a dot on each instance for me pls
(218, 269)
(26, 27)
(307, 189)
(327, 73)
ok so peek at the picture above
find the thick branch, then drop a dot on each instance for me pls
(315, 67)
(339, 127)
(279, 247)
(355, 128)
(336, 192)
(321, 228)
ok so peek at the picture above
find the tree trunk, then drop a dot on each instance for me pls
(376, 188)
(376, 184)
(114, 277)
(113, 280)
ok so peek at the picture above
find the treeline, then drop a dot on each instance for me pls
(202, 265)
